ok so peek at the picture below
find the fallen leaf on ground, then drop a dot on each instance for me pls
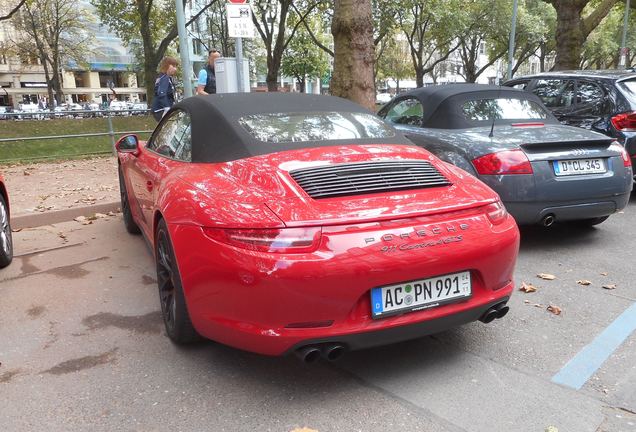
(584, 282)
(538, 305)
(604, 274)
(526, 301)
(26, 173)
(609, 286)
(546, 276)
(83, 220)
(551, 429)
(527, 288)
(554, 309)
(306, 429)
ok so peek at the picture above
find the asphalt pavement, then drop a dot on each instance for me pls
(82, 347)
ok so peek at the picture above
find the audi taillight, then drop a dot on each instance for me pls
(284, 240)
(625, 122)
(503, 162)
(496, 212)
(627, 161)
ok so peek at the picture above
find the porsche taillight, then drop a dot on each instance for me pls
(496, 212)
(624, 122)
(503, 162)
(283, 240)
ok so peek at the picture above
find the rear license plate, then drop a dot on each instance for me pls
(579, 166)
(419, 294)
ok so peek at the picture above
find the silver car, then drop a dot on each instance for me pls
(543, 171)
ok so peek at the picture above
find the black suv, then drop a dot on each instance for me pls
(601, 100)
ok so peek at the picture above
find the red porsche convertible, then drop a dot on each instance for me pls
(6, 243)
(295, 223)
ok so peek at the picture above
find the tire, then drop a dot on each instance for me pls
(590, 222)
(174, 309)
(129, 222)
(6, 240)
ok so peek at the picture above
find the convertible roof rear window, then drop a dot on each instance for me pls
(314, 126)
(502, 109)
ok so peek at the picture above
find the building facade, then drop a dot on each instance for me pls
(109, 73)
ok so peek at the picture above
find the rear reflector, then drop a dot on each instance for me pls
(503, 162)
(285, 240)
(625, 122)
(310, 324)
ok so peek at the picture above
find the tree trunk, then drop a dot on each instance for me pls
(419, 77)
(57, 79)
(352, 30)
(569, 34)
(542, 58)
(150, 72)
(272, 74)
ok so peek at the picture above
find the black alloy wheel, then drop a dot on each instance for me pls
(6, 241)
(129, 222)
(173, 306)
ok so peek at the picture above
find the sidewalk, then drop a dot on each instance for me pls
(52, 192)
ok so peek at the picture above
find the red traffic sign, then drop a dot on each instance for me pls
(238, 1)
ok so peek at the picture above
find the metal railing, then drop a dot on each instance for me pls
(45, 115)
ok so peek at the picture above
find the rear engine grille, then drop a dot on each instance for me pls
(368, 177)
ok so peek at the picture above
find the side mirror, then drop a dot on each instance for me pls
(128, 144)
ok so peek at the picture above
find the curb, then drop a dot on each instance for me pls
(52, 217)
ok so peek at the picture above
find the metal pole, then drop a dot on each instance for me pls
(623, 54)
(184, 49)
(111, 133)
(511, 43)
(239, 65)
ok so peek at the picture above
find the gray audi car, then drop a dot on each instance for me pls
(544, 172)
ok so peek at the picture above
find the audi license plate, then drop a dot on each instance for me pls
(419, 294)
(579, 166)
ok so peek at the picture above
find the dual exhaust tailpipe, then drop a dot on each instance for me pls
(334, 351)
(311, 353)
(498, 311)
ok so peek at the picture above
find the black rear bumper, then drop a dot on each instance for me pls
(371, 339)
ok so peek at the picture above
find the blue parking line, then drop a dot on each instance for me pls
(578, 370)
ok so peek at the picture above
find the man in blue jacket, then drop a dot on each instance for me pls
(207, 76)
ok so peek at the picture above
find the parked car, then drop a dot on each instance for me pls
(140, 108)
(542, 170)
(382, 98)
(601, 100)
(4, 110)
(6, 242)
(117, 105)
(303, 223)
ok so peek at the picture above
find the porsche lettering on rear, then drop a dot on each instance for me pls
(420, 233)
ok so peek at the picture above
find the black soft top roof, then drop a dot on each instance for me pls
(442, 104)
(217, 135)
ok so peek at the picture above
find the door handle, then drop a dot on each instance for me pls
(149, 185)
